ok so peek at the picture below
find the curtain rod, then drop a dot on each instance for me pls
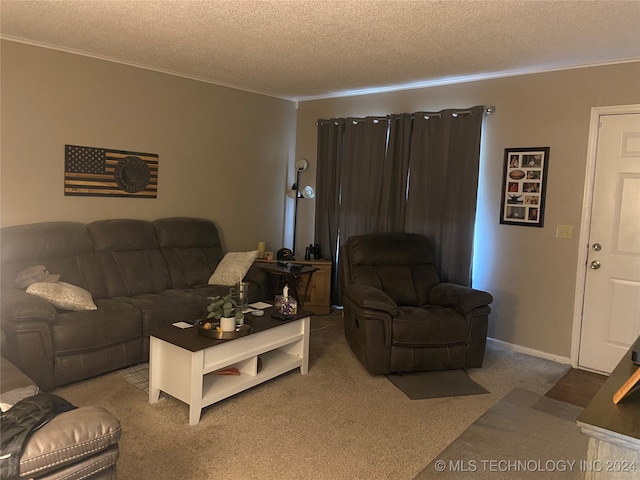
(488, 110)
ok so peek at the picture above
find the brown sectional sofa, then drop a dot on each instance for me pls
(141, 275)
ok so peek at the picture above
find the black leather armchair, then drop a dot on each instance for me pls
(398, 316)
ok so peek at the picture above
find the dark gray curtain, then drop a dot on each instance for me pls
(409, 172)
(351, 155)
(396, 170)
(443, 186)
(365, 144)
(328, 179)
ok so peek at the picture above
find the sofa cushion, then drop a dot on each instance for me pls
(64, 248)
(80, 270)
(28, 245)
(166, 307)
(112, 323)
(205, 291)
(191, 249)
(72, 437)
(233, 267)
(121, 234)
(128, 257)
(63, 295)
(406, 272)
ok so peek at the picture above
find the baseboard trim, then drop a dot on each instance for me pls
(531, 351)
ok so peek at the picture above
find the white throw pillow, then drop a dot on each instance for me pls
(233, 267)
(63, 295)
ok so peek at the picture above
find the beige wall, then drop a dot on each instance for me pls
(530, 272)
(227, 155)
(223, 153)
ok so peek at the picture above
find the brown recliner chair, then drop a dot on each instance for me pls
(398, 317)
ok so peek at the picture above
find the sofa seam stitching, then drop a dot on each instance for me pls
(109, 435)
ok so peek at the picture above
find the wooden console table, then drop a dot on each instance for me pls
(613, 429)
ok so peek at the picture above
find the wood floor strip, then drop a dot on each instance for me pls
(577, 387)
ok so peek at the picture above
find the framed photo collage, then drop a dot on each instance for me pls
(524, 186)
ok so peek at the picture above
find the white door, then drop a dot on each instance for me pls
(611, 301)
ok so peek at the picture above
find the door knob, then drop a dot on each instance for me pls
(597, 247)
(595, 265)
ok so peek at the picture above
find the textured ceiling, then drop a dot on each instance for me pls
(302, 49)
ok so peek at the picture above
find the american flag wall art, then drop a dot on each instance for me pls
(105, 172)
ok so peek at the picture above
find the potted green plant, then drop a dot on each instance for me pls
(225, 307)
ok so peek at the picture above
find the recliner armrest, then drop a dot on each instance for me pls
(69, 438)
(461, 298)
(370, 298)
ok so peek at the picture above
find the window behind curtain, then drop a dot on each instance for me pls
(416, 173)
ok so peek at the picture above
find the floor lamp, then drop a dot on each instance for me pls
(307, 192)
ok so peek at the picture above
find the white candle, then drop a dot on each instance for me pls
(285, 291)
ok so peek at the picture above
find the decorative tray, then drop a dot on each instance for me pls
(240, 331)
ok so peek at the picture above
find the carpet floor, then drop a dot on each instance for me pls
(336, 422)
(415, 385)
(524, 435)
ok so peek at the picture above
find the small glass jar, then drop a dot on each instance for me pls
(286, 306)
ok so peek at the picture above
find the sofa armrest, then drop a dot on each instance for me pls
(370, 298)
(461, 298)
(28, 322)
(14, 385)
(256, 275)
(18, 305)
(69, 438)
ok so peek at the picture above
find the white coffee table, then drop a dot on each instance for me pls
(180, 359)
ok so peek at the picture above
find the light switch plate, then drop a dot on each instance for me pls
(564, 231)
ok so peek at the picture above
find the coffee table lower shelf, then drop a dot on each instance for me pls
(187, 375)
